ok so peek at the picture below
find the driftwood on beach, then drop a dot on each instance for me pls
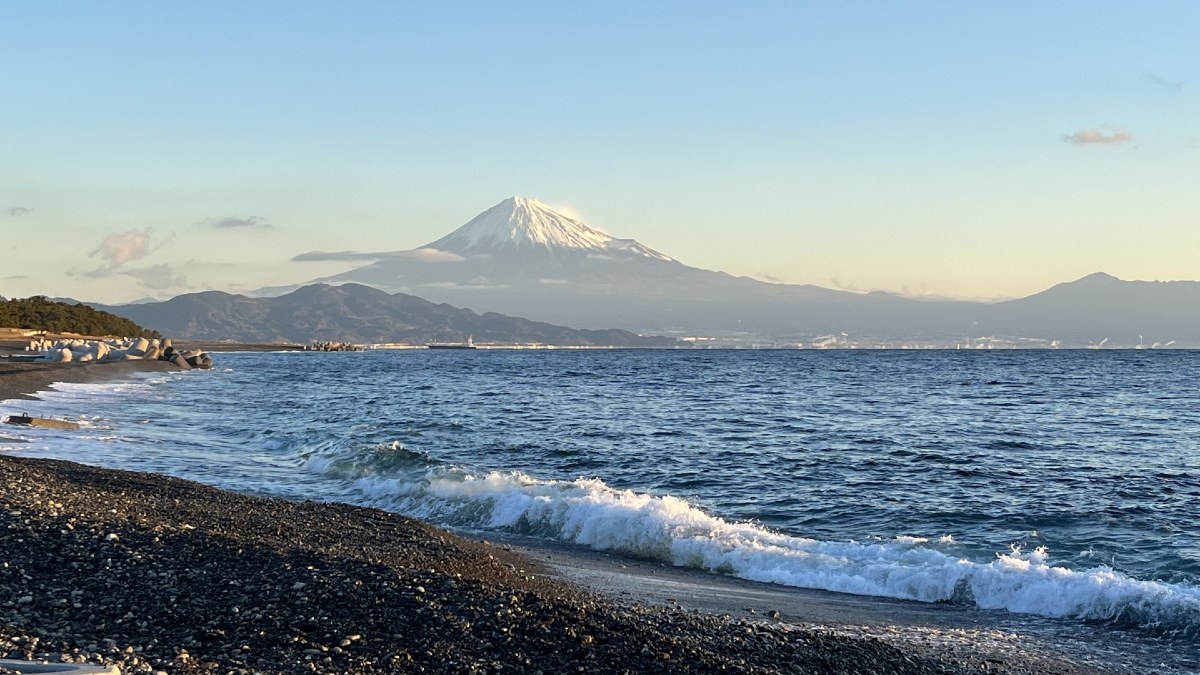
(40, 422)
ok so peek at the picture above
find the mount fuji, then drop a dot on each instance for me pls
(523, 258)
(522, 224)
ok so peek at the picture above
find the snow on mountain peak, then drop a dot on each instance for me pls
(524, 222)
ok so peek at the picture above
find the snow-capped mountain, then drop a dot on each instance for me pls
(518, 242)
(523, 258)
(524, 223)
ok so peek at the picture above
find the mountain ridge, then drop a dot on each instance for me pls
(568, 273)
(356, 313)
(577, 285)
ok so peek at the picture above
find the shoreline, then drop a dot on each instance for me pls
(140, 569)
(157, 573)
(995, 640)
(643, 602)
(23, 380)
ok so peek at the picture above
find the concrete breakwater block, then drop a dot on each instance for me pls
(31, 667)
(116, 349)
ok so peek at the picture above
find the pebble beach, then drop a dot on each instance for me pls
(162, 575)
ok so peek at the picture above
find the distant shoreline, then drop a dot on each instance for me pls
(218, 346)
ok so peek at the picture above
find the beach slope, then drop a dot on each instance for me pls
(22, 380)
(156, 573)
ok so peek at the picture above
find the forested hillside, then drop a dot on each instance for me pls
(39, 313)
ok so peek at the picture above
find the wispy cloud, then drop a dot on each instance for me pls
(429, 255)
(118, 249)
(18, 211)
(1099, 136)
(160, 277)
(235, 223)
(1173, 87)
(16, 277)
(476, 284)
(340, 256)
(843, 285)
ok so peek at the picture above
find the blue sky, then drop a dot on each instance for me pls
(929, 148)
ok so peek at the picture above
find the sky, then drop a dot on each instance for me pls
(957, 149)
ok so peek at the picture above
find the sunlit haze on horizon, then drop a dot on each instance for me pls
(969, 150)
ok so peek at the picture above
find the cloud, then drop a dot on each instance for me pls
(118, 250)
(429, 255)
(18, 211)
(1173, 87)
(326, 256)
(1101, 136)
(841, 285)
(121, 248)
(476, 284)
(234, 223)
(16, 277)
(157, 276)
(770, 278)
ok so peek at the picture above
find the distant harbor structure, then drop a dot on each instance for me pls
(469, 344)
(333, 347)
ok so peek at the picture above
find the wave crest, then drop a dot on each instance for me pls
(589, 512)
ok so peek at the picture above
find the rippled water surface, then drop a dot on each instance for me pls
(1064, 484)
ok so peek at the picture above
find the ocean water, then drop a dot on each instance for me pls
(1063, 485)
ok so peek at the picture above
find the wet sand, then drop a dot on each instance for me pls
(23, 379)
(159, 574)
(996, 641)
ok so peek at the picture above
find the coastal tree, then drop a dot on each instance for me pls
(42, 314)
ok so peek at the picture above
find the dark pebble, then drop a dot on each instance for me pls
(198, 580)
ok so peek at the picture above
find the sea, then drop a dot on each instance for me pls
(1052, 486)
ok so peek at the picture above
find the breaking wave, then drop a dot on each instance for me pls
(589, 512)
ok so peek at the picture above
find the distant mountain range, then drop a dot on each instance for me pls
(354, 313)
(522, 258)
(1102, 307)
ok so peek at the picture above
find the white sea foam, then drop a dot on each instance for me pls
(68, 392)
(591, 513)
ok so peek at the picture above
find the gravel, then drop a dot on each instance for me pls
(162, 575)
